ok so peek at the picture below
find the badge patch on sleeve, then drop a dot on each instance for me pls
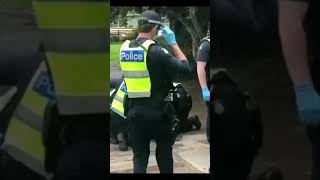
(165, 51)
(132, 56)
(44, 85)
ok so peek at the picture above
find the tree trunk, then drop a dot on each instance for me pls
(191, 30)
(194, 21)
(195, 45)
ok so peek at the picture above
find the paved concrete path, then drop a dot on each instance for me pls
(191, 155)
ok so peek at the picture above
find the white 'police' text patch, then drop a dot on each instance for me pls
(132, 56)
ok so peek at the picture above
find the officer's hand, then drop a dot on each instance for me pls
(169, 35)
(206, 94)
(308, 102)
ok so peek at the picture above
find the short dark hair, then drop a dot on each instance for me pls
(144, 26)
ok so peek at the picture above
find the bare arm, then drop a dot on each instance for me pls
(202, 74)
(293, 40)
(178, 53)
(294, 48)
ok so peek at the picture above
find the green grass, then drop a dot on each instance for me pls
(114, 52)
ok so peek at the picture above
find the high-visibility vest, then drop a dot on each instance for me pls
(23, 138)
(133, 62)
(117, 105)
(76, 44)
(75, 38)
(6, 94)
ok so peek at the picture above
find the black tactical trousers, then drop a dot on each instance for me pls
(232, 163)
(85, 155)
(313, 132)
(147, 123)
(118, 125)
(314, 137)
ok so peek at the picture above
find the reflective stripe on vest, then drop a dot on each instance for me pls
(5, 98)
(76, 44)
(117, 105)
(112, 91)
(75, 40)
(24, 144)
(30, 118)
(23, 140)
(136, 74)
(133, 62)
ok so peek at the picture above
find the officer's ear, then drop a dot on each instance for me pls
(155, 29)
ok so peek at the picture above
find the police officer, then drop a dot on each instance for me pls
(203, 70)
(148, 71)
(294, 46)
(118, 119)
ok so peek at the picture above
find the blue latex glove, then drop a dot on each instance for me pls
(206, 94)
(169, 35)
(308, 102)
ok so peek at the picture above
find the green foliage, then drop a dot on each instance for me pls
(189, 23)
(131, 37)
(114, 39)
(115, 52)
(163, 43)
(123, 22)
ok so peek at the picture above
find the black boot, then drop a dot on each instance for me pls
(195, 121)
(114, 140)
(123, 145)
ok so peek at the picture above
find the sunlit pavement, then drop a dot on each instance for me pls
(191, 155)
